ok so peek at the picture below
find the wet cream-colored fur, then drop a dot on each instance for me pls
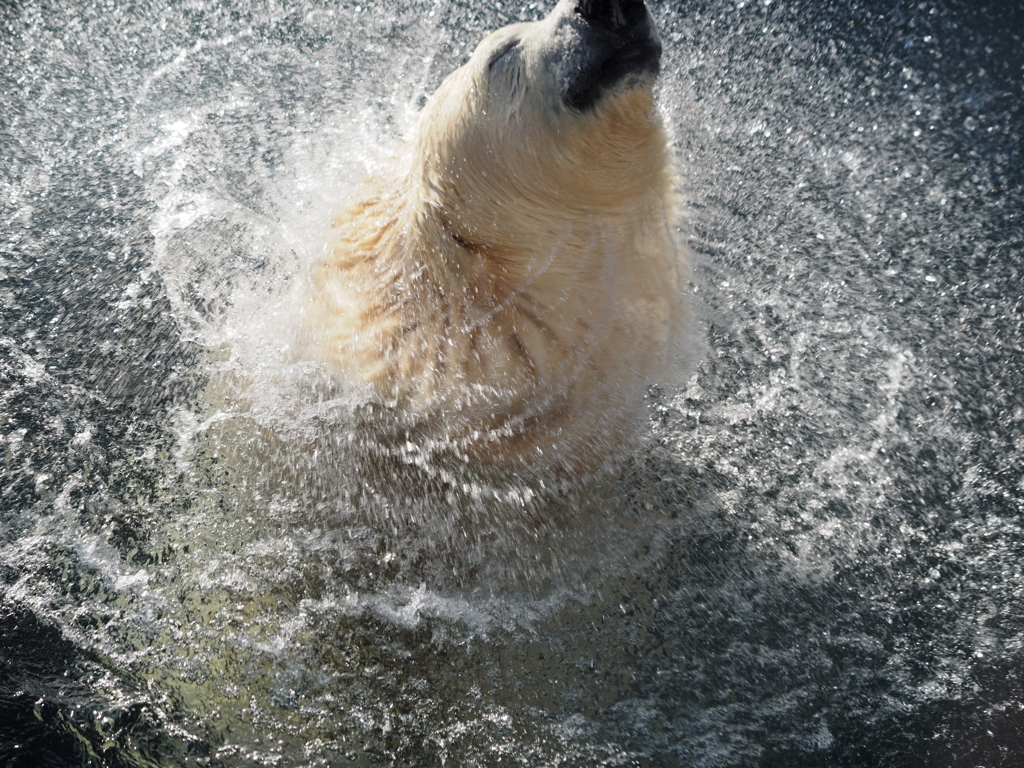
(511, 285)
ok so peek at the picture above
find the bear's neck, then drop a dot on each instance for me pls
(564, 207)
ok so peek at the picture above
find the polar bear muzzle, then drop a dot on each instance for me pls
(613, 43)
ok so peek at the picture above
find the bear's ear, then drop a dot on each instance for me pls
(506, 80)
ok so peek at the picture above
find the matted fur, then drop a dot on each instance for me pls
(511, 284)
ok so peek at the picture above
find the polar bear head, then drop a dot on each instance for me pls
(548, 122)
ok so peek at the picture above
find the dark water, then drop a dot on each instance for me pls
(815, 560)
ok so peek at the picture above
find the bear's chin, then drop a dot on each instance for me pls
(623, 85)
(629, 83)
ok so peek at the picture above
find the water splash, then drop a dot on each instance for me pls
(821, 541)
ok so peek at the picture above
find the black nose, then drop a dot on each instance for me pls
(612, 13)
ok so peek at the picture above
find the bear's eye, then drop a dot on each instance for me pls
(506, 84)
(500, 51)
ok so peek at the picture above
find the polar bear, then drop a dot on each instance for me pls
(510, 286)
